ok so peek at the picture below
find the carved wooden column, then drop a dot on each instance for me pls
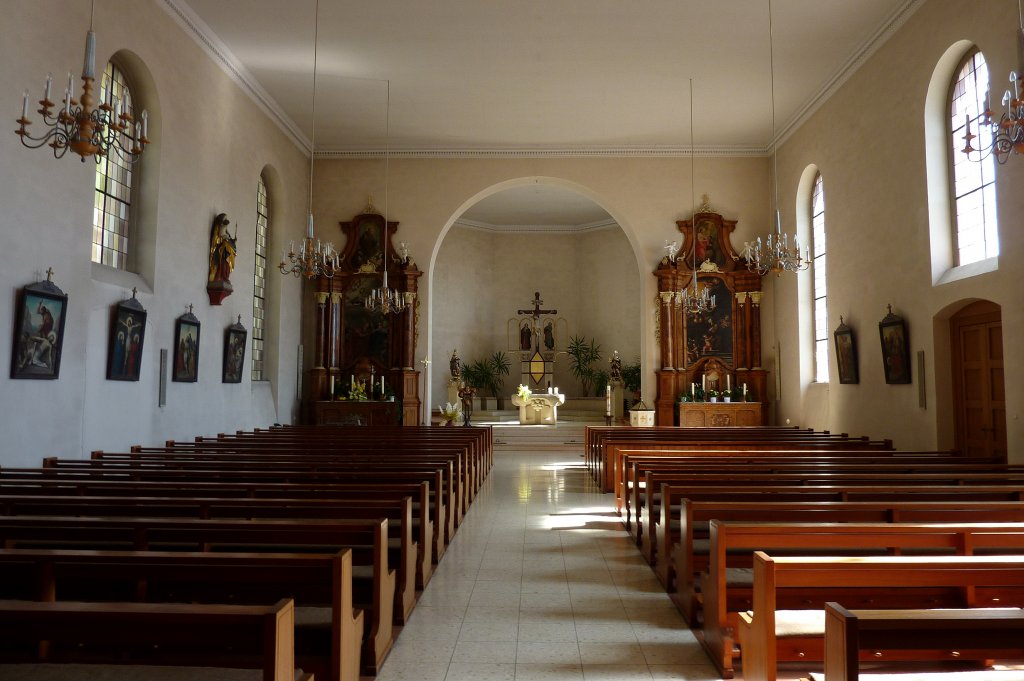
(743, 351)
(667, 328)
(409, 332)
(755, 326)
(322, 325)
(678, 344)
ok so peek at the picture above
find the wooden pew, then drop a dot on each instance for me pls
(637, 466)
(311, 580)
(429, 513)
(862, 483)
(402, 548)
(852, 636)
(373, 580)
(768, 635)
(257, 636)
(604, 443)
(685, 553)
(254, 482)
(689, 552)
(733, 544)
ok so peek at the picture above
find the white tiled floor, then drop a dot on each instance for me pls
(543, 583)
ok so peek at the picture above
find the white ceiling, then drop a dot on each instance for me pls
(477, 77)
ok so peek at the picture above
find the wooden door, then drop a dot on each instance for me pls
(977, 340)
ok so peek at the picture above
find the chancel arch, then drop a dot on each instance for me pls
(500, 250)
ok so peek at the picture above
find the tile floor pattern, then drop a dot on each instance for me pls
(543, 583)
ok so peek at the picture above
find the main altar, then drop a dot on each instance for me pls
(716, 349)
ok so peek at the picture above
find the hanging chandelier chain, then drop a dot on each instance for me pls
(699, 301)
(314, 258)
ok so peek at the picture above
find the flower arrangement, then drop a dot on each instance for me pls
(523, 393)
(450, 412)
(357, 392)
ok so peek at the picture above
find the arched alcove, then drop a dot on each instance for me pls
(481, 273)
(978, 323)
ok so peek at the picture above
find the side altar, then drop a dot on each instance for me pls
(356, 344)
(714, 350)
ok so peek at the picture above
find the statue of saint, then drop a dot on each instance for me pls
(455, 366)
(616, 369)
(222, 249)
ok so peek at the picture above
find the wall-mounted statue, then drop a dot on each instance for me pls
(222, 260)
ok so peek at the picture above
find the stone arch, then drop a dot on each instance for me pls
(628, 229)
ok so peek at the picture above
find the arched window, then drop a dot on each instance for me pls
(259, 296)
(115, 176)
(819, 290)
(975, 229)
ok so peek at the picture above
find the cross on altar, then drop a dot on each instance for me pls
(536, 312)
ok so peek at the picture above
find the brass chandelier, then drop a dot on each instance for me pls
(80, 125)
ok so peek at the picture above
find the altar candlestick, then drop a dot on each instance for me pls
(744, 391)
(332, 388)
(352, 381)
(693, 388)
(704, 382)
(608, 400)
(728, 382)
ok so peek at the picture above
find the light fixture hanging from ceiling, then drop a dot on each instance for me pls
(1005, 136)
(314, 258)
(79, 126)
(696, 300)
(774, 254)
(383, 298)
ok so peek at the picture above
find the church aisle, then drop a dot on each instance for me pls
(543, 583)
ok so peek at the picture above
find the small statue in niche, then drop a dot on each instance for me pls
(455, 366)
(222, 260)
(616, 366)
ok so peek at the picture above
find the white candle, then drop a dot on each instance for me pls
(382, 386)
(704, 382)
(693, 388)
(728, 382)
(608, 400)
(145, 124)
(49, 82)
(24, 106)
(332, 387)
(352, 381)
(744, 390)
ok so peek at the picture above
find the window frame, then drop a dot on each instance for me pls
(954, 143)
(820, 342)
(258, 363)
(126, 259)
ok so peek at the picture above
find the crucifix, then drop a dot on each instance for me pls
(535, 313)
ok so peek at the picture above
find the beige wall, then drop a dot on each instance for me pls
(210, 144)
(869, 143)
(482, 278)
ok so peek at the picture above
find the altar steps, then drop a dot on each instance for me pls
(564, 437)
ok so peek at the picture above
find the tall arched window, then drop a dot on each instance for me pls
(112, 205)
(975, 229)
(820, 288)
(259, 296)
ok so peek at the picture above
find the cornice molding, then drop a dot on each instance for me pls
(536, 229)
(204, 36)
(651, 151)
(868, 48)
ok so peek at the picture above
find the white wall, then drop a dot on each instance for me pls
(210, 144)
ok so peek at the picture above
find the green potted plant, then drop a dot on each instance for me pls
(581, 356)
(713, 395)
(487, 376)
(500, 366)
(737, 394)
